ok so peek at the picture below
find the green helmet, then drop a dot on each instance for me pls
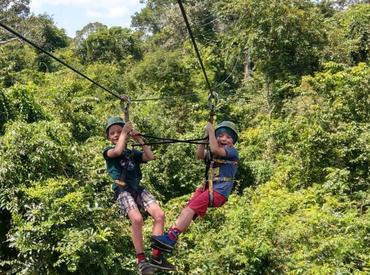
(115, 120)
(228, 127)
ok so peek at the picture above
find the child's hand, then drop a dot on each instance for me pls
(205, 132)
(127, 128)
(210, 128)
(135, 135)
(124, 97)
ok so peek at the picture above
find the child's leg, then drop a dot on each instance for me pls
(199, 202)
(158, 260)
(197, 205)
(151, 206)
(158, 215)
(137, 230)
(129, 208)
(184, 219)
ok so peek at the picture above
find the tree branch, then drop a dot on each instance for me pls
(8, 41)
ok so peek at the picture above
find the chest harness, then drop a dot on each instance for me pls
(210, 177)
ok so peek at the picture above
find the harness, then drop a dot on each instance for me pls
(210, 179)
(123, 186)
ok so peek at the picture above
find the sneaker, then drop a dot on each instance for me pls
(163, 242)
(145, 268)
(162, 263)
(155, 244)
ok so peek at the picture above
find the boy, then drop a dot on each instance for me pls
(123, 165)
(218, 184)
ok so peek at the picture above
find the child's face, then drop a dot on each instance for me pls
(224, 139)
(113, 133)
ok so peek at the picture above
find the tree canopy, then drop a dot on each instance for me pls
(293, 75)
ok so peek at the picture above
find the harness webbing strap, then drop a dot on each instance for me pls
(210, 183)
(223, 179)
(210, 177)
(120, 183)
(224, 161)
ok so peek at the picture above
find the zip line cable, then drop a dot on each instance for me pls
(75, 70)
(195, 45)
(171, 140)
(57, 59)
(163, 140)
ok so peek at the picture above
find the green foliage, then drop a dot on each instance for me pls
(331, 125)
(33, 151)
(13, 59)
(23, 105)
(63, 229)
(18, 103)
(114, 45)
(302, 200)
(163, 173)
(12, 12)
(5, 111)
(283, 38)
(77, 113)
(272, 230)
(51, 38)
(349, 35)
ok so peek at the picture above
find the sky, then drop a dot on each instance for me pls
(73, 15)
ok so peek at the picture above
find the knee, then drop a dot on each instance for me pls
(188, 211)
(159, 216)
(137, 220)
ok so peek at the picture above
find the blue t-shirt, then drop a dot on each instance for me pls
(126, 167)
(225, 170)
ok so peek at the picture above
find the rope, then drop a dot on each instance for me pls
(195, 45)
(125, 106)
(125, 101)
(212, 97)
(57, 59)
(171, 140)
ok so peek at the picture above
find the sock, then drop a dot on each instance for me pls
(174, 233)
(156, 252)
(140, 257)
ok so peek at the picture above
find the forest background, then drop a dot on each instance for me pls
(292, 74)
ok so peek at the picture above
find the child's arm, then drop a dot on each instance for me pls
(213, 144)
(147, 152)
(201, 148)
(200, 154)
(121, 143)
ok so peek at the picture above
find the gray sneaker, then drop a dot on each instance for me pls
(145, 268)
(162, 263)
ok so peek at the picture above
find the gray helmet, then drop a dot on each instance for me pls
(115, 120)
(230, 129)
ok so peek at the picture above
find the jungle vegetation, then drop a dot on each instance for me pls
(293, 75)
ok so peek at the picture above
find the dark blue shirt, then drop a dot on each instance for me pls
(126, 167)
(225, 170)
